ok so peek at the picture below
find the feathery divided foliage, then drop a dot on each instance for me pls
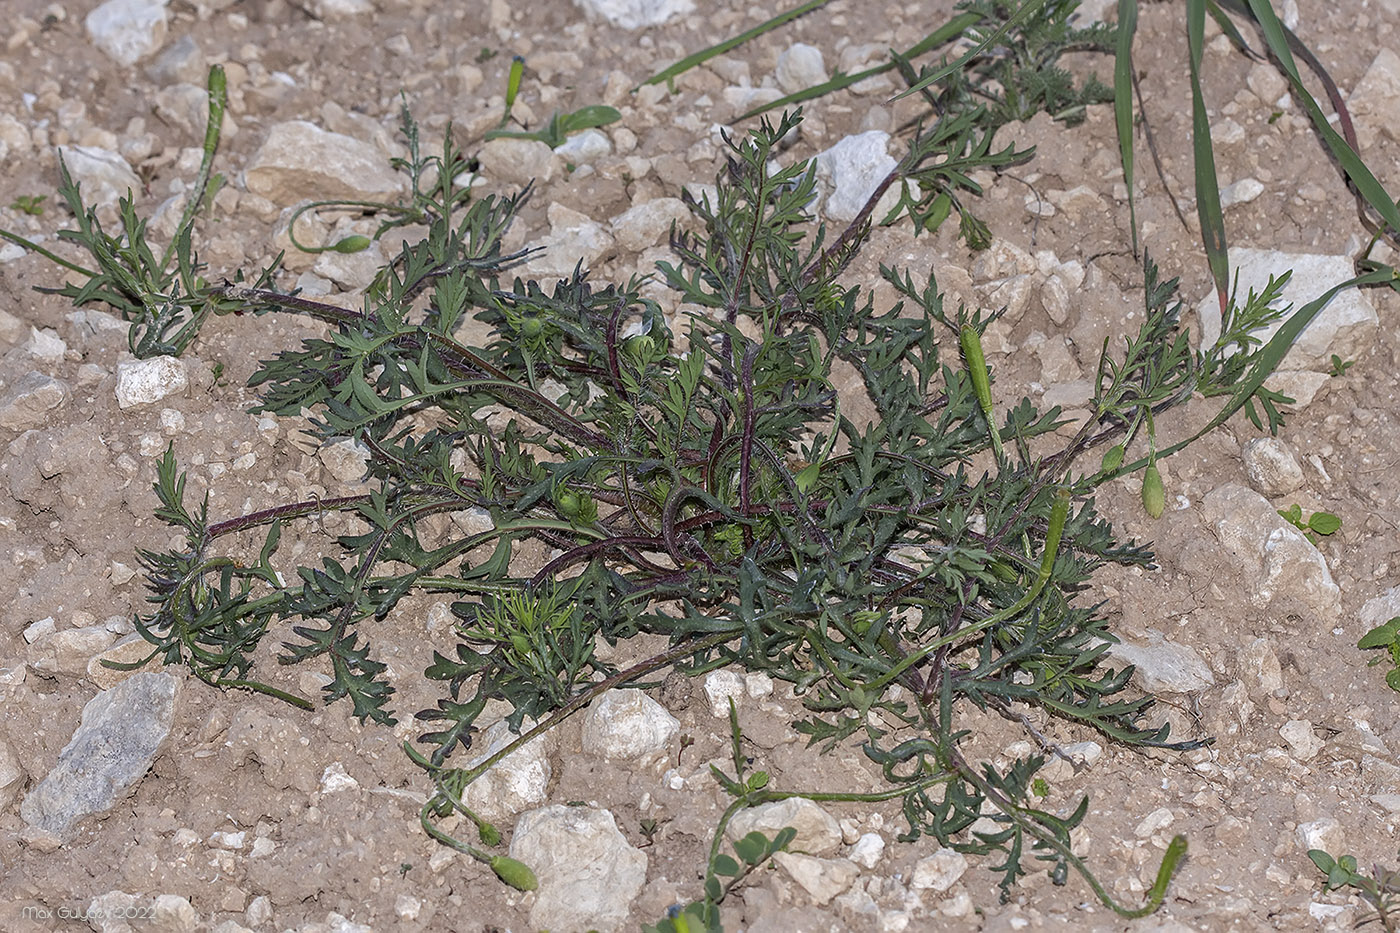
(717, 496)
(702, 479)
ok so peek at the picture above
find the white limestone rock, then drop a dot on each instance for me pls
(518, 161)
(637, 14)
(800, 66)
(1276, 559)
(818, 833)
(822, 878)
(1375, 103)
(103, 176)
(588, 873)
(516, 782)
(1271, 467)
(30, 400)
(627, 724)
(720, 687)
(301, 161)
(128, 30)
(648, 223)
(939, 871)
(1161, 666)
(144, 382)
(574, 239)
(1344, 327)
(851, 170)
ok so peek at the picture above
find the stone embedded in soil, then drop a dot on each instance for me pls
(299, 160)
(128, 30)
(588, 872)
(29, 402)
(345, 460)
(1154, 822)
(574, 239)
(637, 14)
(144, 382)
(1161, 666)
(939, 871)
(627, 724)
(1271, 466)
(818, 833)
(1324, 833)
(1276, 560)
(69, 651)
(121, 732)
(1345, 326)
(850, 171)
(11, 775)
(800, 66)
(822, 878)
(720, 687)
(868, 850)
(1375, 102)
(584, 148)
(516, 782)
(103, 176)
(1299, 735)
(648, 223)
(1379, 610)
(331, 10)
(1261, 667)
(518, 161)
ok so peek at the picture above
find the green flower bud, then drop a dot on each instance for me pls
(516, 874)
(355, 243)
(1112, 459)
(1154, 494)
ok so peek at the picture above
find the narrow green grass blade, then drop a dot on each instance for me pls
(1227, 26)
(1027, 10)
(1366, 183)
(1207, 184)
(1123, 102)
(945, 33)
(704, 55)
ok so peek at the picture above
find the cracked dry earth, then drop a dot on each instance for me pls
(255, 815)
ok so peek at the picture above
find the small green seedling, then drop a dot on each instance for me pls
(1385, 636)
(31, 204)
(1318, 523)
(1340, 366)
(1379, 889)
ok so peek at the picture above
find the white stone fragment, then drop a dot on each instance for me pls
(103, 176)
(720, 686)
(334, 779)
(818, 833)
(851, 170)
(584, 148)
(637, 14)
(345, 460)
(1271, 466)
(939, 871)
(144, 382)
(1156, 821)
(1164, 666)
(574, 240)
(1324, 833)
(868, 850)
(822, 878)
(299, 160)
(648, 223)
(30, 399)
(588, 872)
(127, 30)
(1375, 103)
(1299, 734)
(627, 724)
(800, 66)
(1241, 192)
(516, 782)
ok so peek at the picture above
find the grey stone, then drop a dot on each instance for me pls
(627, 724)
(574, 239)
(181, 62)
(128, 30)
(103, 176)
(185, 106)
(352, 271)
(800, 66)
(646, 224)
(121, 733)
(851, 170)
(1324, 833)
(516, 782)
(1276, 558)
(1299, 735)
(28, 403)
(1261, 666)
(939, 871)
(518, 161)
(144, 382)
(1375, 103)
(1271, 466)
(818, 833)
(1163, 666)
(1379, 610)
(11, 776)
(68, 651)
(637, 14)
(585, 148)
(1344, 327)
(588, 873)
(345, 460)
(720, 687)
(300, 160)
(332, 10)
(868, 850)
(822, 878)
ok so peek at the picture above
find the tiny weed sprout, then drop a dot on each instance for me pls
(1318, 524)
(1380, 890)
(1340, 366)
(33, 205)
